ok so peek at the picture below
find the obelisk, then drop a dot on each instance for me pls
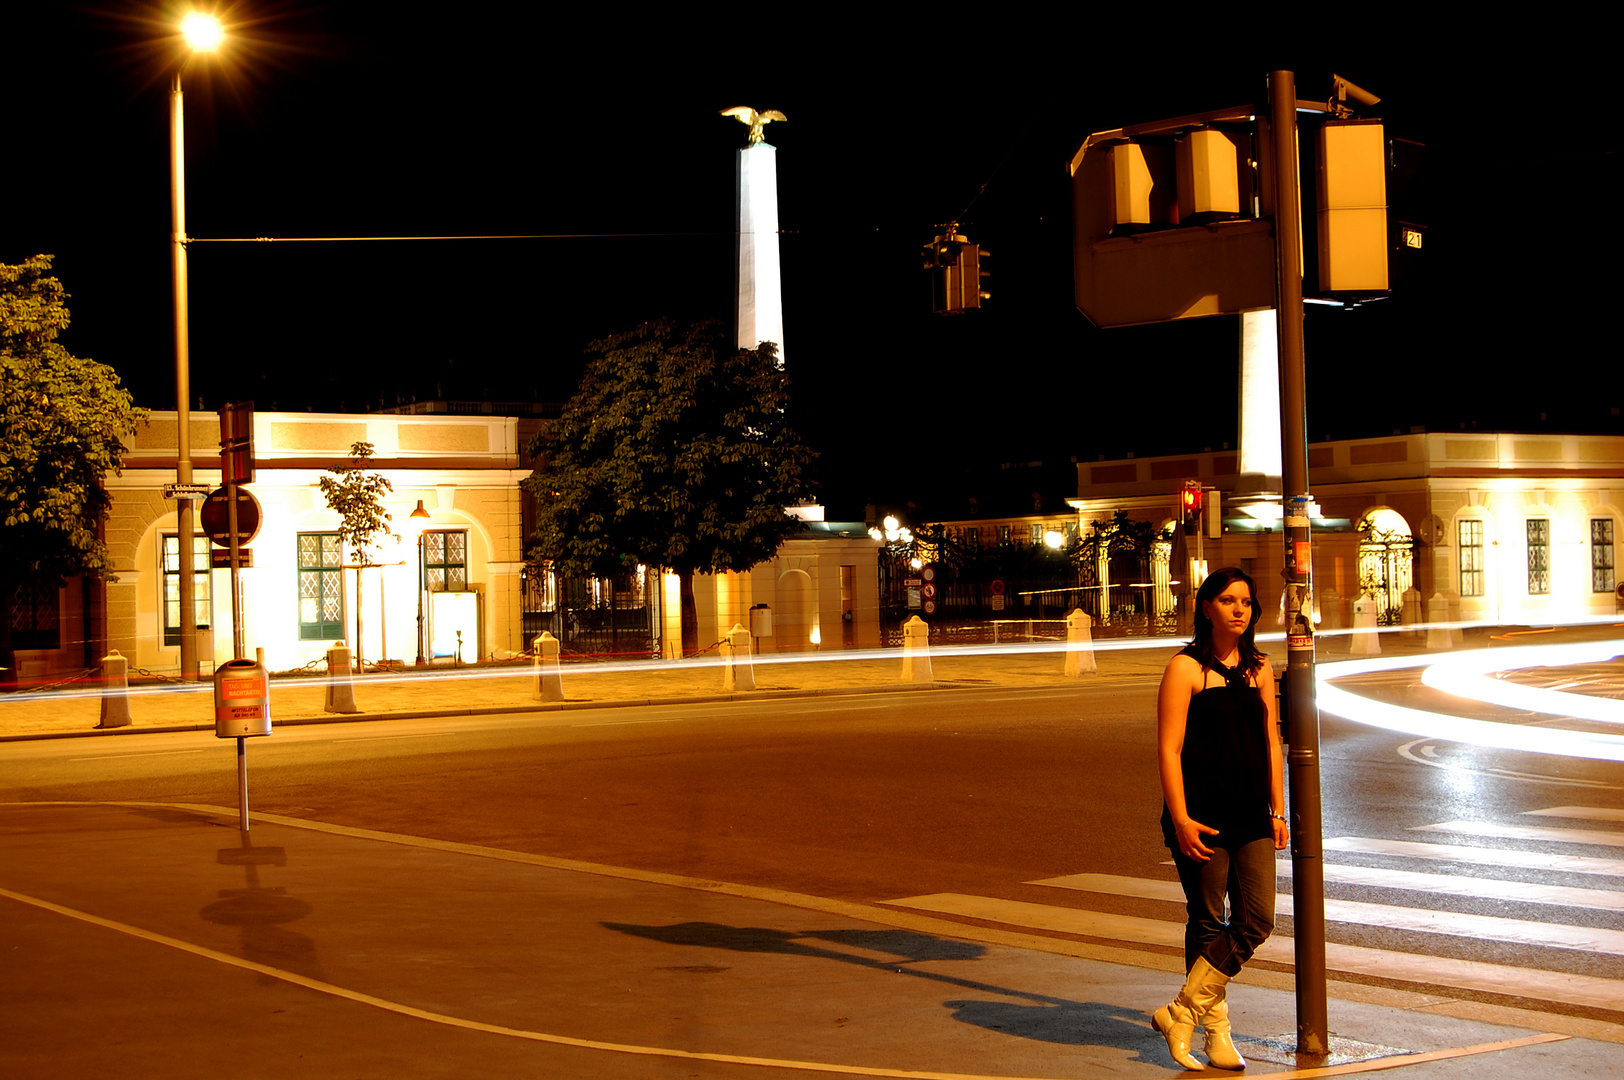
(1260, 454)
(759, 299)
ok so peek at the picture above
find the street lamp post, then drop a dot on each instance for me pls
(420, 520)
(202, 34)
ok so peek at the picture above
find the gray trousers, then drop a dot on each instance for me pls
(1246, 876)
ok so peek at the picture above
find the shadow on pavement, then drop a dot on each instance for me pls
(1045, 1019)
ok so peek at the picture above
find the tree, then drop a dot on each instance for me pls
(62, 424)
(356, 497)
(674, 452)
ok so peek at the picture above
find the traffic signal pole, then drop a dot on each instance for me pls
(1308, 875)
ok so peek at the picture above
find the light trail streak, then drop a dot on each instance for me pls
(1540, 739)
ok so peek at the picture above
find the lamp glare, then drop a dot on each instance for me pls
(202, 32)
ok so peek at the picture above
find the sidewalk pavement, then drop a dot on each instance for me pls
(158, 941)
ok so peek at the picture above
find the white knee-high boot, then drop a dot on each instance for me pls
(1221, 1052)
(1177, 1019)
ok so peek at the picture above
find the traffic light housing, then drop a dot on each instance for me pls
(237, 442)
(954, 265)
(1190, 506)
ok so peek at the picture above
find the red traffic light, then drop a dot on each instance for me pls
(1191, 499)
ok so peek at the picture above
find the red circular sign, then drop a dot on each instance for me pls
(215, 517)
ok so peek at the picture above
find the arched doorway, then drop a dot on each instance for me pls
(797, 612)
(1386, 553)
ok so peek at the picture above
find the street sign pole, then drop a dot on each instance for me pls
(1307, 869)
(237, 648)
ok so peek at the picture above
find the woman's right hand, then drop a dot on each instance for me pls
(1189, 833)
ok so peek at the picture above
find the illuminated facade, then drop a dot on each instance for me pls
(300, 595)
(464, 561)
(1510, 528)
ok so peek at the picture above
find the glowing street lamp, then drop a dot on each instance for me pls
(202, 33)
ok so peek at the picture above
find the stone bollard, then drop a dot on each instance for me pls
(1439, 637)
(549, 684)
(1330, 605)
(115, 702)
(1079, 645)
(916, 651)
(340, 683)
(1365, 641)
(1412, 614)
(737, 671)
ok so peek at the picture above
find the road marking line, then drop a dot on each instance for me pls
(1528, 832)
(622, 723)
(1584, 990)
(1592, 813)
(143, 753)
(1526, 860)
(1429, 758)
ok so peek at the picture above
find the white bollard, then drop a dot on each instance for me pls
(115, 702)
(1079, 645)
(916, 651)
(549, 684)
(340, 685)
(1365, 641)
(737, 671)
(1439, 637)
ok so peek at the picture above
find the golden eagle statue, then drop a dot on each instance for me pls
(756, 120)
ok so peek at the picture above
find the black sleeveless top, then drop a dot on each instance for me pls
(1225, 762)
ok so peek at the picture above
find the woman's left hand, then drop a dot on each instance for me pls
(1282, 835)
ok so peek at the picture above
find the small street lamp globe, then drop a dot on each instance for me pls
(201, 31)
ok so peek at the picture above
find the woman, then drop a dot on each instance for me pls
(1224, 806)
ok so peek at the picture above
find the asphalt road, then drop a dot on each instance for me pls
(964, 793)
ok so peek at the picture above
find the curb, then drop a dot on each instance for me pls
(537, 707)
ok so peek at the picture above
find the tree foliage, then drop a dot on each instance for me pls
(63, 420)
(674, 452)
(356, 497)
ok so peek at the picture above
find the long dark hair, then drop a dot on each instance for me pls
(1248, 659)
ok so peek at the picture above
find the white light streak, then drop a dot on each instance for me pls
(1535, 739)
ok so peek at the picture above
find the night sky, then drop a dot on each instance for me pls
(368, 119)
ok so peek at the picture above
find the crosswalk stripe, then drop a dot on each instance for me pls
(1483, 856)
(1439, 884)
(1528, 832)
(1116, 885)
(1417, 920)
(1481, 927)
(1526, 892)
(1582, 990)
(1592, 813)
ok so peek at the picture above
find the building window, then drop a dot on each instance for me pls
(1037, 534)
(1539, 556)
(445, 560)
(201, 605)
(1471, 558)
(321, 587)
(35, 619)
(1602, 578)
(1003, 536)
